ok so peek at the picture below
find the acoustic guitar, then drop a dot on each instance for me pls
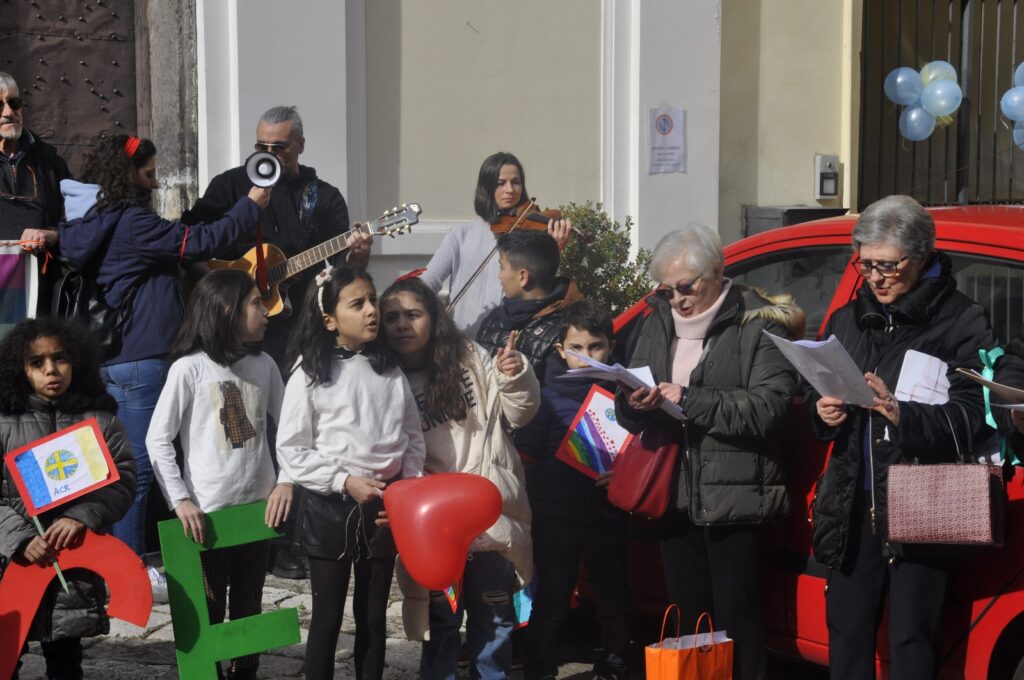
(281, 269)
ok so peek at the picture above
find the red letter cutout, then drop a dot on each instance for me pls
(22, 588)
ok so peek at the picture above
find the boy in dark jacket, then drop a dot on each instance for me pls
(572, 517)
(534, 298)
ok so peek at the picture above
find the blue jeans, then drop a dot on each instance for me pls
(486, 598)
(136, 385)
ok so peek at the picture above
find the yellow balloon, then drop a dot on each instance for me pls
(943, 121)
(937, 70)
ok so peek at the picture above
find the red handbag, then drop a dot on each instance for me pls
(644, 470)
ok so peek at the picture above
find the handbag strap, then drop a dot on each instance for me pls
(711, 630)
(952, 431)
(664, 621)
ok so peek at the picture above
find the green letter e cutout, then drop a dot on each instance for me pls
(200, 644)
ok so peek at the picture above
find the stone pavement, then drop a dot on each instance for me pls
(130, 652)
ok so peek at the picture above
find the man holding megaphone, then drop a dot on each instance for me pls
(304, 211)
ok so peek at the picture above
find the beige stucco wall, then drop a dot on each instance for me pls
(449, 82)
(788, 92)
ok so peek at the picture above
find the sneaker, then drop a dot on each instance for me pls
(159, 584)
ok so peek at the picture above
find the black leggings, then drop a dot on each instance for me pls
(329, 581)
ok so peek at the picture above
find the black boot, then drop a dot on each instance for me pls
(63, 659)
(289, 565)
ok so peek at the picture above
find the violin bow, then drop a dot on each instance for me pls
(515, 225)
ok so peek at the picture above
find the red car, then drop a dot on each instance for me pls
(984, 618)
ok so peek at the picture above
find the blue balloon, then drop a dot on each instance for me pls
(937, 70)
(1018, 135)
(1012, 103)
(941, 97)
(916, 123)
(903, 85)
(1018, 76)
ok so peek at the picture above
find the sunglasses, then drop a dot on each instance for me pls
(272, 147)
(885, 269)
(14, 102)
(686, 288)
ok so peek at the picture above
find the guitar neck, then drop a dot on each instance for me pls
(298, 263)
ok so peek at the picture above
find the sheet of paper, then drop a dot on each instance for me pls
(630, 377)
(1011, 394)
(923, 379)
(828, 367)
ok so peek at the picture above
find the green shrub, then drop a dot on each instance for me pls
(602, 269)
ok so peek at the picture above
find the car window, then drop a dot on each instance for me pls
(811, 275)
(998, 286)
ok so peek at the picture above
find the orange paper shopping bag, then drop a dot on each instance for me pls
(701, 656)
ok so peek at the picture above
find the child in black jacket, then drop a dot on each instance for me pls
(572, 517)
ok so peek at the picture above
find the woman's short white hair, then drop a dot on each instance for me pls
(695, 246)
(896, 220)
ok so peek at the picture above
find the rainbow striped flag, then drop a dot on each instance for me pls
(595, 437)
(63, 466)
(18, 286)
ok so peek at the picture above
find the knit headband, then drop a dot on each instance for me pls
(131, 145)
(321, 279)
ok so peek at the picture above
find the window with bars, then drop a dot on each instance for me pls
(972, 159)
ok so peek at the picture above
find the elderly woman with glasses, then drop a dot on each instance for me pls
(705, 346)
(908, 301)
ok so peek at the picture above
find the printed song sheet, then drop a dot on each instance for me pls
(828, 367)
(631, 377)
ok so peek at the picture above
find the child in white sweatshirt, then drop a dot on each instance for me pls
(349, 427)
(219, 390)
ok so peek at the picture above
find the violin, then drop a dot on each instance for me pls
(527, 216)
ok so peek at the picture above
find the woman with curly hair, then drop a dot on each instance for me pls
(136, 257)
(465, 397)
(50, 380)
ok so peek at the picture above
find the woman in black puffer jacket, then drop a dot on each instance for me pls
(704, 344)
(908, 301)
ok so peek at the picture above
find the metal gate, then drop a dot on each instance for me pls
(971, 160)
(75, 65)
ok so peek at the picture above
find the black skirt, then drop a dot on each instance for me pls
(335, 527)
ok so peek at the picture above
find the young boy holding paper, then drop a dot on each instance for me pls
(572, 517)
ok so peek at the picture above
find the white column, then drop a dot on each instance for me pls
(657, 52)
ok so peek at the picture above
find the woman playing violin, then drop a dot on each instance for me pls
(500, 189)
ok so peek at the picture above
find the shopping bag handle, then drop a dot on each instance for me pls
(696, 631)
(664, 621)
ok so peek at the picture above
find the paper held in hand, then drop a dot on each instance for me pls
(630, 377)
(827, 366)
(1014, 396)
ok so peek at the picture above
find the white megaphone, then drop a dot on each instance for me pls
(263, 169)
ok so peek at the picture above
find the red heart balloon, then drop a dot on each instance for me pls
(435, 518)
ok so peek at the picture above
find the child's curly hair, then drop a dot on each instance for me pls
(86, 391)
(109, 166)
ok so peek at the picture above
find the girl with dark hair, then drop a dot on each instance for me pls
(465, 397)
(49, 380)
(349, 427)
(500, 187)
(136, 258)
(220, 389)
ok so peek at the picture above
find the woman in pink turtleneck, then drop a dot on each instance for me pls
(704, 344)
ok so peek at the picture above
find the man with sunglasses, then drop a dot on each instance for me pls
(30, 173)
(304, 211)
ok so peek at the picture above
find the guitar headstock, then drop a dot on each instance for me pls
(398, 220)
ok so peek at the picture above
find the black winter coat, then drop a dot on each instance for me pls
(1010, 371)
(738, 396)
(36, 171)
(82, 611)
(538, 334)
(933, 318)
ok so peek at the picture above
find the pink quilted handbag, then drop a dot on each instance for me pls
(948, 503)
(961, 504)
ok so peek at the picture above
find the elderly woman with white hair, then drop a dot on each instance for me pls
(908, 301)
(703, 342)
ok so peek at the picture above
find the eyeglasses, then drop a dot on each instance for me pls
(273, 147)
(686, 288)
(35, 189)
(885, 269)
(14, 102)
